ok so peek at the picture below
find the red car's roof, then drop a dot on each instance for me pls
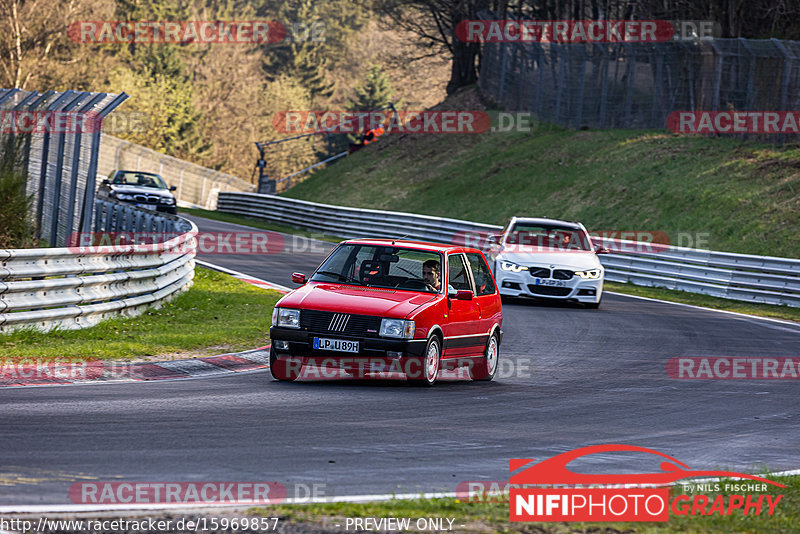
(418, 245)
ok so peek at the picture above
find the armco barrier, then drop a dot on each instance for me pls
(761, 279)
(76, 287)
(346, 222)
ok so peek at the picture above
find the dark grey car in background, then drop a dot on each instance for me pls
(145, 189)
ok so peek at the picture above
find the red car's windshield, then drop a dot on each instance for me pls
(548, 237)
(383, 266)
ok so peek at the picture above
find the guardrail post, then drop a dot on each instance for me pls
(581, 85)
(657, 87)
(55, 240)
(43, 168)
(91, 178)
(555, 47)
(631, 75)
(540, 85)
(604, 87)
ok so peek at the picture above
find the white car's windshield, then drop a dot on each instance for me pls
(383, 266)
(548, 237)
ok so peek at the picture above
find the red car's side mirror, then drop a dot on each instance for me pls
(464, 294)
(298, 278)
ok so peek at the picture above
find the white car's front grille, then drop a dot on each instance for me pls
(558, 274)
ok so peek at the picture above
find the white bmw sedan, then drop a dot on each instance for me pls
(548, 259)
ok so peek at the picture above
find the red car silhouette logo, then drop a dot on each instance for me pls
(554, 470)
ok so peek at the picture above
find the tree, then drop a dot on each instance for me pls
(299, 55)
(317, 35)
(16, 226)
(435, 22)
(32, 35)
(160, 88)
(375, 93)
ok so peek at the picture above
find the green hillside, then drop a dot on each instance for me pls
(734, 196)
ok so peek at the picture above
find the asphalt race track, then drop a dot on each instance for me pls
(569, 377)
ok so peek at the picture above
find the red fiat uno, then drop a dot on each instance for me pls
(402, 305)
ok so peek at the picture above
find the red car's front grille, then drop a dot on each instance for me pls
(339, 323)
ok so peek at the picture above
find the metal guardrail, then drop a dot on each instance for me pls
(78, 286)
(760, 279)
(346, 222)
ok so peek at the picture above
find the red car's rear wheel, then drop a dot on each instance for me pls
(486, 367)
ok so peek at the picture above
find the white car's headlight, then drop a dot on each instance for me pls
(397, 328)
(123, 196)
(511, 266)
(286, 317)
(590, 274)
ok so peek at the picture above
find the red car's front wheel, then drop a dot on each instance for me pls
(430, 364)
(282, 369)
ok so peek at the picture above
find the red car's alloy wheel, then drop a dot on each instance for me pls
(487, 366)
(430, 364)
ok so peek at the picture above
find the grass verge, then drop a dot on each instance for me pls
(706, 301)
(218, 314)
(493, 517)
(703, 192)
(257, 223)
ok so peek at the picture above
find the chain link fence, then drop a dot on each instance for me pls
(638, 85)
(197, 186)
(56, 139)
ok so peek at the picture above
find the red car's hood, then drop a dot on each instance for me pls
(355, 299)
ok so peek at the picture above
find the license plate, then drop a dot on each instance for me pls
(340, 345)
(147, 206)
(550, 282)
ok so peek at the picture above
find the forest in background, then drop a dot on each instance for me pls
(208, 103)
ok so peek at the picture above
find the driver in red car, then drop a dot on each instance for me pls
(432, 273)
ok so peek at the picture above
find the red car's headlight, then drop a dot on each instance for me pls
(399, 328)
